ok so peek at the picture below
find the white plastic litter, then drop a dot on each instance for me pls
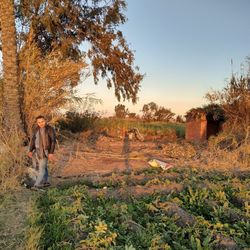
(157, 163)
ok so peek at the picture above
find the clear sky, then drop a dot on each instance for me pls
(185, 49)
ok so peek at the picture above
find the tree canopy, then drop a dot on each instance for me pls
(83, 30)
(62, 41)
(152, 112)
(121, 111)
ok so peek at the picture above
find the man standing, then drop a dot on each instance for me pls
(42, 146)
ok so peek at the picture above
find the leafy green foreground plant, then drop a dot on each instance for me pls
(68, 218)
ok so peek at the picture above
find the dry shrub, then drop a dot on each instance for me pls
(47, 82)
(228, 151)
(223, 152)
(12, 158)
(78, 122)
(234, 99)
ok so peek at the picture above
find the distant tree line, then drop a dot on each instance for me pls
(150, 112)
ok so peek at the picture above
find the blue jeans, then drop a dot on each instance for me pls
(43, 173)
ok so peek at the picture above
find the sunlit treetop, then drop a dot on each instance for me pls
(83, 30)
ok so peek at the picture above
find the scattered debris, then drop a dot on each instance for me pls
(157, 163)
(135, 132)
(177, 150)
(37, 189)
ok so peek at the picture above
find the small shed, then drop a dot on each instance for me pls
(201, 123)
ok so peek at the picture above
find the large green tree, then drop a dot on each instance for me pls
(84, 28)
(11, 107)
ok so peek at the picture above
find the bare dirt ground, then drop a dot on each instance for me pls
(98, 154)
(99, 159)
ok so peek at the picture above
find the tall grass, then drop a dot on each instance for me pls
(157, 127)
(148, 128)
(12, 157)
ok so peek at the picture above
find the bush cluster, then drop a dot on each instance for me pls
(77, 122)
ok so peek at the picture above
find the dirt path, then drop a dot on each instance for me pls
(102, 156)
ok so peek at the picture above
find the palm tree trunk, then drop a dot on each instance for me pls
(11, 105)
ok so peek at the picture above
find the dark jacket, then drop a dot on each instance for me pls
(50, 139)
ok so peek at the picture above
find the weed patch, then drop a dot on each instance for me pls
(197, 217)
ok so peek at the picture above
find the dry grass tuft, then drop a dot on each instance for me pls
(179, 150)
(227, 151)
(34, 233)
(12, 157)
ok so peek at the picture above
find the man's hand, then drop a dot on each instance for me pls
(30, 154)
(51, 157)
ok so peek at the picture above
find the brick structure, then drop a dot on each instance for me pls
(196, 130)
(201, 125)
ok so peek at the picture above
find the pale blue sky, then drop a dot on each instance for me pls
(184, 47)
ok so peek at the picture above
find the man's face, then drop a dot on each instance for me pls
(41, 122)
